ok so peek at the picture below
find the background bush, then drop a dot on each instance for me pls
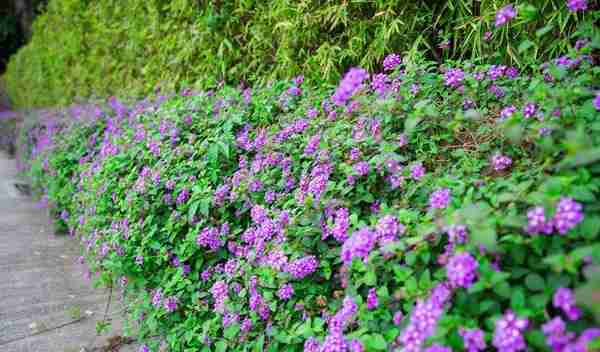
(202, 208)
(83, 48)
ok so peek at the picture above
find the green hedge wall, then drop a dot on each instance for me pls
(82, 48)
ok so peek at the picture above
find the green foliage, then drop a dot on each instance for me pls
(116, 174)
(83, 48)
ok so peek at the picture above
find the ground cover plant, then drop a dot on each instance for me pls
(81, 49)
(417, 207)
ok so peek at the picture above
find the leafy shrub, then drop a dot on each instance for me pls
(403, 209)
(82, 48)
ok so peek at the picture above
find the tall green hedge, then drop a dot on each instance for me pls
(82, 48)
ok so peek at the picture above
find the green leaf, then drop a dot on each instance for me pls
(375, 342)
(526, 44)
(535, 282)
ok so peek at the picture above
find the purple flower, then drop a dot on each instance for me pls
(507, 112)
(556, 334)
(391, 62)
(349, 85)
(311, 345)
(537, 223)
(565, 300)
(597, 101)
(341, 224)
(505, 14)
(170, 304)
(285, 292)
(457, 234)
(577, 5)
(508, 335)
(388, 228)
(157, 298)
(423, 321)
(361, 168)
(473, 339)
(209, 237)
(358, 245)
(487, 36)
(437, 348)
(496, 71)
(501, 162)
(312, 145)
(219, 293)
(417, 171)
(372, 301)
(183, 196)
(356, 346)
(461, 270)
(334, 343)
(397, 318)
(439, 199)
(512, 72)
(379, 83)
(568, 214)
(454, 77)
(529, 110)
(301, 268)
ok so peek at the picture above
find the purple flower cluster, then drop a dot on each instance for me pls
(372, 301)
(568, 214)
(209, 237)
(301, 268)
(341, 225)
(285, 292)
(219, 293)
(507, 112)
(417, 171)
(508, 335)
(349, 85)
(454, 77)
(501, 162)
(577, 5)
(505, 14)
(439, 199)
(473, 339)
(461, 270)
(391, 62)
(359, 245)
(170, 304)
(565, 300)
(424, 319)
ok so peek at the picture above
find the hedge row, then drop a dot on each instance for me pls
(419, 208)
(86, 48)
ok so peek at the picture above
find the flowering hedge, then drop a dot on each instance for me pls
(419, 208)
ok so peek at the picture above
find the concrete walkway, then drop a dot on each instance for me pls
(46, 305)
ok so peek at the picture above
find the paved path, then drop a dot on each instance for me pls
(41, 286)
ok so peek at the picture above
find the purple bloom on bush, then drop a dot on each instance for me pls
(301, 268)
(529, 110)
(417, 171)
(597, 101)
(577, 5)
(565, 300)
(388, 228)
(439, 199)
(557, 337)
(473, 339)
(512, 72)
(361, 168)
(349, 85)
(334, 343)
(312, 145)
(423, 321)
(311, 345)
(359, 245)
(157, 298)
(437, 348)
(183, 196)
(461, 270)
(356, 346)
(170, 304)
(537, 223)
(219, 293)
(209, 237)
(501, 162)
(341, 224)
(379, 83)
(507, 112)
(568, 214)
(391, 62)
(285, 292)
(508, 335)
(454, 77)
(505, 14)
(144, 348)
(397, 318)
(372, 301)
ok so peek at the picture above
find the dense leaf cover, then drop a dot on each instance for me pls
(82, 49)
(412, 209)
